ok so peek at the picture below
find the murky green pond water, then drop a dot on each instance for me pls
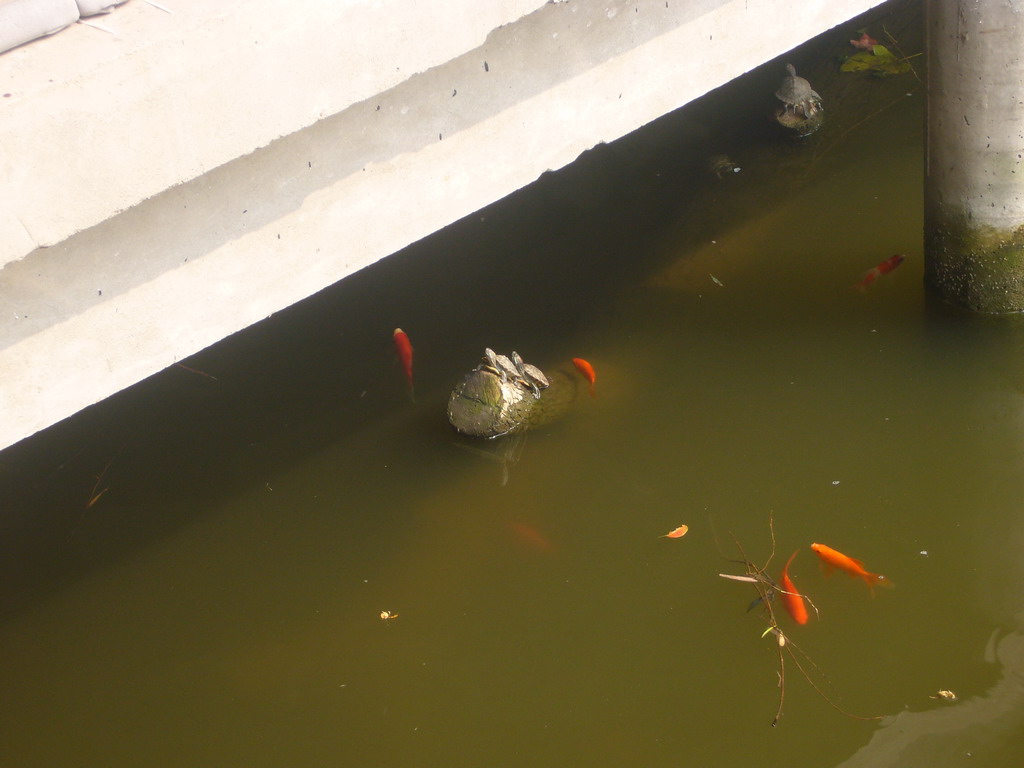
(219, 603)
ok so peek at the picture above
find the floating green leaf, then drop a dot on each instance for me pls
(879, 60)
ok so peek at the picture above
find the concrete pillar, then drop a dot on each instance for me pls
(974, 176)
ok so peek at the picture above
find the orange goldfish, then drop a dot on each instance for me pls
(884, 268)
(533, 538)
(831, 559)
(588, 372)
(404, 349)
(792, 599)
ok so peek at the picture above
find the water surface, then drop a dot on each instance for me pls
(219, 603)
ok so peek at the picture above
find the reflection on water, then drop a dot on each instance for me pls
(220, 603)
(505, 452)
(987, 727)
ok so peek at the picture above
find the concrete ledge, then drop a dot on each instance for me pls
(96, 123)
(203, 259)
(24, 20)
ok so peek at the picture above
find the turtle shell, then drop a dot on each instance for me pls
(505, 365)
(794, 89)
(537, 375)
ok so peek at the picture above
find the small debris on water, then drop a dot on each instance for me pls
(781, 638)
(947, 695)
(748, 579)
(388, 615)
(835, 482)
(716, 281)
(677, 532)
(924, 552)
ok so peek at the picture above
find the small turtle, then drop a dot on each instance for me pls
(508, 370)
(796, 94)
(721, 165)
(536, 375)
(530, 375)
(490, 363)
(500, 365)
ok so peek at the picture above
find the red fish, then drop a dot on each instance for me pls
(588, 372)
(404, 349)
(532, 537)
(792, 599)
(830, 559)
(884, 268)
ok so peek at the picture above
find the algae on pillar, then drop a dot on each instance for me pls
(974, 172)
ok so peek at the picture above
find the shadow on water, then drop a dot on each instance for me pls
(325, 371)
(219, 602)
(544, 258)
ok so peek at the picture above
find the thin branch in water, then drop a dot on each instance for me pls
(766, 588)
(93, 496)
(840, 137)
(196, 370)
(781, 591)
(825, 696)
(903, 56)
(782, 686)
(96, 498)
(771, 530)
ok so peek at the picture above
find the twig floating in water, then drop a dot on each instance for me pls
(195, 370)
(93, 496)
(766, 588)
